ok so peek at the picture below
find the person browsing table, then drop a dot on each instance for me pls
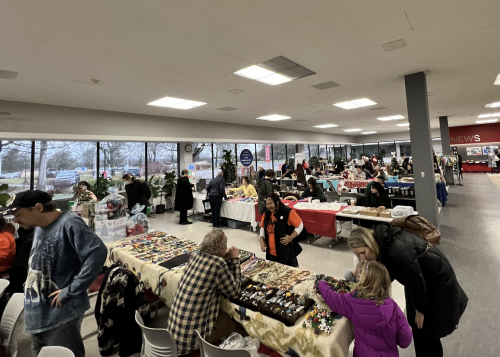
(280, 227)
(247, 188)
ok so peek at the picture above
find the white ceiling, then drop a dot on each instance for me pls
(145, 50)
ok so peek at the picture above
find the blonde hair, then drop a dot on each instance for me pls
(363, 237)
(375, 283)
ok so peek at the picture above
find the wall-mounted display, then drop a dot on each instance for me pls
(474, 150)
(487, 149)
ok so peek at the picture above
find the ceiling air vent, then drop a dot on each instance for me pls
(326, 85)
(394, 45)
(378, 108)
(235, 91)
(227, 109)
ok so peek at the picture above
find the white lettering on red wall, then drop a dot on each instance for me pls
(463, 139)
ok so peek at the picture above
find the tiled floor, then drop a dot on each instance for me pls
(469, 224)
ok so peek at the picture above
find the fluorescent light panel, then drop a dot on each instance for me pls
(177, 103)
(369, 132)
(493, 105)
(274, 117)
(356, 103)
(263, 75)
(486, 121)
(391, 117)
(324, 126)
(405, 124)
(482, 116)
(351, 130)
(497, 81)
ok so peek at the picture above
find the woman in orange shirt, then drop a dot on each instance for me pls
(7, 245)
(280, 227)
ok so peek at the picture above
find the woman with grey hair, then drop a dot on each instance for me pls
(216, 190)
(209, 275)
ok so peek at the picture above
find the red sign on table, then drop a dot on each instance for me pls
(268, 153)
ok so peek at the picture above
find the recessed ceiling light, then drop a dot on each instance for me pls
(177, 103)
(493, 105)
(486, 121)
(263, 75)
(497, 81)
(351, 130)
(326, 126)
(484, 116)
(357, 103)
(394, 45)
(405, 124)
(369, 132)
(274, 117)
(391, 117)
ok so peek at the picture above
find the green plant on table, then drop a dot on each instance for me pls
(4, 197)
(101, 187)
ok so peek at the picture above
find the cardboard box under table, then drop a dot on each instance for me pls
(273, 333)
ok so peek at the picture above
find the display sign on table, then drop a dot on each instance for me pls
(474, 150)
(246, 157)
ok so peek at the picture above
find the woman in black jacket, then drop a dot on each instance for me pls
(184, 197)
(314, 191)
(378, 197)
(280, 227)
(434, 299)
(137, 192)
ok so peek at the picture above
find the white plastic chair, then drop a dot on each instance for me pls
(10, 318)
(55, 351)
(208, 350)
(4, 283)
(157, 342)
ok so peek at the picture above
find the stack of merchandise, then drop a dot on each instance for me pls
(111, 217)
(138, 222)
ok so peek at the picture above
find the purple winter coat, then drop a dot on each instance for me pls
(378, 330)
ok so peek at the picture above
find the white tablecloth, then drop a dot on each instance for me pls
(239, 211)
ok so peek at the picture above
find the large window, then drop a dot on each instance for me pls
(370, 149)
(387, 148)
(119, 158)
(290, 150)
(339, 151)
(162, 157)
(405, 148)
(249, 170)
(313, 150)
(264, 156)
(323, 152)
(202, 158)
(15, 165)
(219, 155)
(279, 156)
(356, 151)
(306, 152)
(60, 165)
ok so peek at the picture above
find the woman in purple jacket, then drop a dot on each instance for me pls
(379, 324)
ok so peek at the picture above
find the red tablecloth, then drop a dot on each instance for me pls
(475, 167)
(322, 223)
(353, 183)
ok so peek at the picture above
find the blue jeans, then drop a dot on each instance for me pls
(67, 335)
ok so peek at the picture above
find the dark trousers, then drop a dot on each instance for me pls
(215, 206)
(67, 335)
(425, 345)
(293, 262)
(183, 215)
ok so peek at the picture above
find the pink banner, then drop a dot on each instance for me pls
(268, 153)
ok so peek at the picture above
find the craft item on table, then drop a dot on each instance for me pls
(339, 286)
(271, 273)
(244, 256)
(351, 210)
(320, 319)
(254, 295)
(318, 206)
(248, 200)
(253, 266)
(385, 213)
(369, 211)
(138, 223)
(286, 306)
(402, 211)
(177, 261)
(113, 205)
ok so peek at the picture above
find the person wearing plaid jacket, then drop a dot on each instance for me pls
(209, 275)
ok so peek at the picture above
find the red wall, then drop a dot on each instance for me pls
(473, 134)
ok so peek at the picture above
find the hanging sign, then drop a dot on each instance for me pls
(268, 153)
(246, 158)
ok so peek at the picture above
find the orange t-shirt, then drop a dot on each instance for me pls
(7, 251)
(293, 220)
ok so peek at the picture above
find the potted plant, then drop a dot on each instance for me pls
(155, 184)
(230, 166)
(101, 186)
(4, 197)
(313, 161)
(167, 188)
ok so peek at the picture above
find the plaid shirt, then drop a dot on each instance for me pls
(197, 300)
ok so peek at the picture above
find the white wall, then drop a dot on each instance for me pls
(401, 135)
(39, 121)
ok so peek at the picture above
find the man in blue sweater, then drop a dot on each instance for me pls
(65, 259)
